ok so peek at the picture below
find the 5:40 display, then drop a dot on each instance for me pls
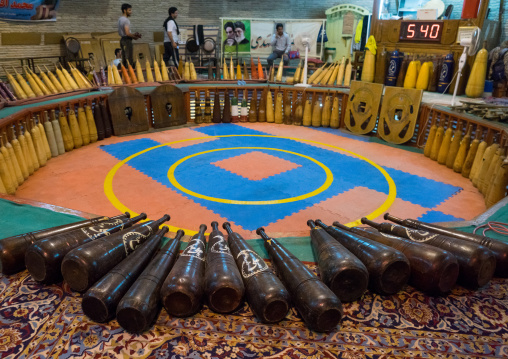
(420, 30)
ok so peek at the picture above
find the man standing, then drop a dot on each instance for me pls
(281, 44)
(171, 33)
(124, 31)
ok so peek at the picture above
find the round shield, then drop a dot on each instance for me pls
(209, 45)
(73, 45)
(192, 46)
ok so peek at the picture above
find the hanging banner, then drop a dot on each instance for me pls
(236, 32)
(28, 10)
(261, 36)
(262, 32)
(311, 28)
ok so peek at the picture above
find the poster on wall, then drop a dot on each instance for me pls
(28, 10)
(236, 32)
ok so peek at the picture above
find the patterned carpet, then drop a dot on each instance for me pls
(47, 322)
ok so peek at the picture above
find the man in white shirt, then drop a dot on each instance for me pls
(281, 44)
(171, 37)
(124, 31)
(118, 57)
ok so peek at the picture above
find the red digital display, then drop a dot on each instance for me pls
(421, 31)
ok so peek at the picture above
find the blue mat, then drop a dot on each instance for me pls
(340, 133)
(437, 216)
(198, 174)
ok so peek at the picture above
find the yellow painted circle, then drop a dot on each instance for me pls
(108, 182)
(323, 187)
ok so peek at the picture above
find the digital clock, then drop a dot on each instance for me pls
(421, 31)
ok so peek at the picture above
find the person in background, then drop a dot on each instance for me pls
(171, 37)
(126, 35)
(281, 44)
(229, 27)
(240, 33)
(118, 57)
(46, 10)
(498, 69)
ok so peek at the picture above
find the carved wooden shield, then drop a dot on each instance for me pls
(168, 104)
(91, 49)
(399, 113)
(363, 106)
(141, 52)
(128, 111)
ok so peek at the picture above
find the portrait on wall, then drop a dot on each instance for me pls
(236, 33)
(29, 10)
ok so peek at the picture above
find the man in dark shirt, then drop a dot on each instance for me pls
(229, 28)
(240, 33)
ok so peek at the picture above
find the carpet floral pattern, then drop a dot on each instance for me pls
(39, 321)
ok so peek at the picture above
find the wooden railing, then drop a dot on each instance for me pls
(481, 129)
(429, 114)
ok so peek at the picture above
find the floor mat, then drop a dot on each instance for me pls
(251, 175)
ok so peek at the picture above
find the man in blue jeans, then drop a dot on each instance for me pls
(281, 44)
